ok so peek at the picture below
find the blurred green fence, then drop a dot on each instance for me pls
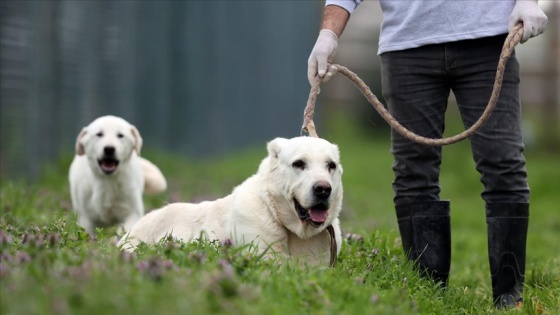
(197, 78)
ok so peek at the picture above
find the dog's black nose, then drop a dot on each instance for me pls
(109, 151)
(322, 189)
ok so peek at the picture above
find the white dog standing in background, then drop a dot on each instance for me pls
(286, 207)
(107, 176)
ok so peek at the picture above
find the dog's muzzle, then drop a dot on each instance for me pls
(108, 165)
(314, 216)
(108, 162)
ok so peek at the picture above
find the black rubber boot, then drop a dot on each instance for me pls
(426, 237)
(507, 238)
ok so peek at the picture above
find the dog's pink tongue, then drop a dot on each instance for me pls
(108, 165)
(318, 215)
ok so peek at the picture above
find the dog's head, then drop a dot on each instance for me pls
(107, 142)
(305, 179)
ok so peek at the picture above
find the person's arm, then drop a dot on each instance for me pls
(334, 21)
(533, 18)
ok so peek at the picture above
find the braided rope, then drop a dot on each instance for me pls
(511, 41)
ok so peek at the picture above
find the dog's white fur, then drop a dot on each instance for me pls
(104, 199)
(262, 209)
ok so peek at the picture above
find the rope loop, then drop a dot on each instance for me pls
(513, 38)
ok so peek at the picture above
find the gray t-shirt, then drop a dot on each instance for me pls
(414, 23)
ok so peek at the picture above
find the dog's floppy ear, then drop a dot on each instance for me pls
(275, 146)
(337, 155)
(80, 150)
(137, 139)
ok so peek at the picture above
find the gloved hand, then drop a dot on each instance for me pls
(322, 55)
(533, 18)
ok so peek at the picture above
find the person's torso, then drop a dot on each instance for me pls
(414, 23)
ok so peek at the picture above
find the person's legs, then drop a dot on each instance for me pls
(497, 146)
(416, 87)
(498, 153)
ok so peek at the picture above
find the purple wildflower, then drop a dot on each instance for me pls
(227, 243)
(4, 270)
(22, 257)
(5, 238)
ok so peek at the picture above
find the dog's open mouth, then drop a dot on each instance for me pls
(314, 216)
(108, 165)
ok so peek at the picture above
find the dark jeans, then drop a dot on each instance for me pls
(416, 86)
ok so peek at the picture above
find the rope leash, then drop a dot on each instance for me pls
(513, 38)
(333, 247)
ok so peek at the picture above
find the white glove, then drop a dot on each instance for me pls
(322, 55)
(533, 18)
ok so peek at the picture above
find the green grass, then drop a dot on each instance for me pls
(48, 265)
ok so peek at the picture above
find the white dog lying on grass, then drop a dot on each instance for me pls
(290, 206)
(107, 176)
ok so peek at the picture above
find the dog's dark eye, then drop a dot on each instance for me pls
(99, 134)
(299, 164)
(120, 135)
(331, 165)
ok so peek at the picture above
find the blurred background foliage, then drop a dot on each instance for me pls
(202, 79)
(198, 78)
